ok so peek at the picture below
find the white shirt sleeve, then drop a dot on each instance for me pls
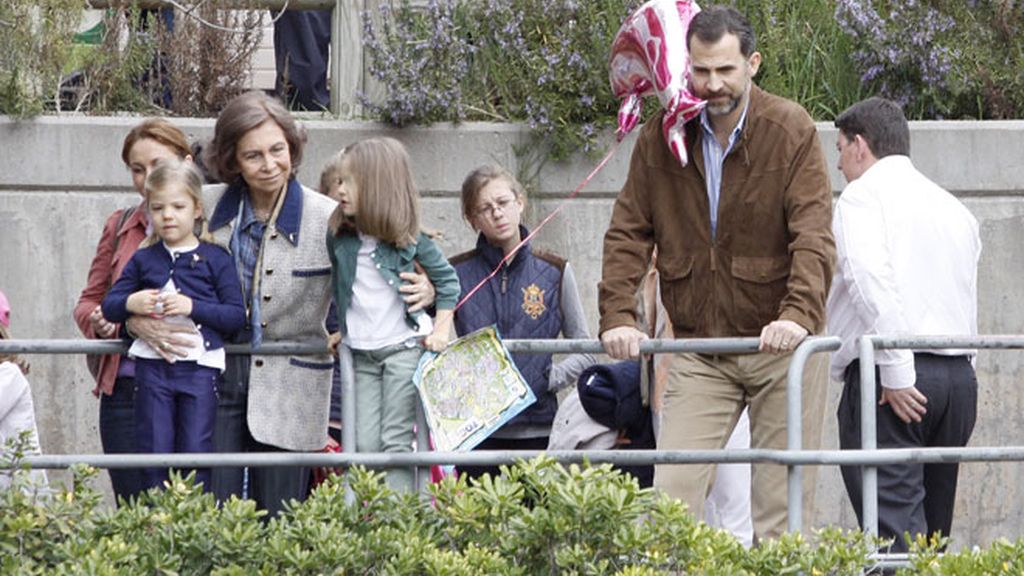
(866, 266)
(13, 387)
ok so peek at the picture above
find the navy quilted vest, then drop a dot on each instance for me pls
(524, 301)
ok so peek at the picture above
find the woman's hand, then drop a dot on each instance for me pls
(417, 291)
(100, 325)
(162, 336)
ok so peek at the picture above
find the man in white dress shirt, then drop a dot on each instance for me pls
(907, 265)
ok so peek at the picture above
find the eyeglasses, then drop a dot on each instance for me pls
(502, 204)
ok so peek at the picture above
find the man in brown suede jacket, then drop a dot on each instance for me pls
(745, 249)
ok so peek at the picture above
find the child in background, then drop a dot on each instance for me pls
(17, 414)
(185, 279)
(331, 187)
(534, 296)
(374, 236)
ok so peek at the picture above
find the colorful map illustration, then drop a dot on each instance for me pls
(470, 389)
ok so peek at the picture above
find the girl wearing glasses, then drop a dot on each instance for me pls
(533, 296)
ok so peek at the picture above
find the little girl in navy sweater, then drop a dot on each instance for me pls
(184, 279)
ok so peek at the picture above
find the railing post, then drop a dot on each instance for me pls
(794, 422)
(421, 475)
(348, 406)
(868, 435)
(794, 435)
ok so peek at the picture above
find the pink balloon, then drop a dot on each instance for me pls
(649, 56)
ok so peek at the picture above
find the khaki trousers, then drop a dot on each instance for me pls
(704, 397)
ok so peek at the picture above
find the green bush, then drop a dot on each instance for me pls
(537, 518)
(805, 55)
(1001, 557)
(940, 59)
(539, 62)
(111, 76)
(535, 61)
(544, 63)
(990, 38)
(34, 43)
(137, 65)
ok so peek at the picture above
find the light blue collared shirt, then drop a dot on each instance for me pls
(714, 157)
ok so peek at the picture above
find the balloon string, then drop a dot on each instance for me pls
(512, 253)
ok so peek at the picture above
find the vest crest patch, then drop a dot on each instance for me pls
(533, 301)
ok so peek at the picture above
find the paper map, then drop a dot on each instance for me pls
(470, 389)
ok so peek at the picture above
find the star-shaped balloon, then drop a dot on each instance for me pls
(649, 56)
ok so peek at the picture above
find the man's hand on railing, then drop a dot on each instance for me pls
(782, 336)
(163, 337)
(622, 342)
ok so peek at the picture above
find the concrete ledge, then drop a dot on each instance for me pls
(83, 153)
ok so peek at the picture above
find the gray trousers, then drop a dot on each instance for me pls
(913, 498)
(386, 402)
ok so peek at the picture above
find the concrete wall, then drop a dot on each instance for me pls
(61, 177)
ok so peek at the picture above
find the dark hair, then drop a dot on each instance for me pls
(881, 123)
(242, 114)
(329, 174)
(714, 22)
(197, 159)
(158, 130)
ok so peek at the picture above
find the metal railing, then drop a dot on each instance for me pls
(794, 421)
(793, 457)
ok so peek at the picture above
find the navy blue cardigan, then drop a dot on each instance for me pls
(207, 275)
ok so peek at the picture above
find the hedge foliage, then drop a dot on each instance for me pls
(540, 62)
(544, 62)
(134, 63)
(537, 518)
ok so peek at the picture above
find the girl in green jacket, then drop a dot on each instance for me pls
(374, 236)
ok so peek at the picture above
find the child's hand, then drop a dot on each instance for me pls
(333, 340)
(145, 302)
(439, 338)
(176, 304)
(435, 342)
